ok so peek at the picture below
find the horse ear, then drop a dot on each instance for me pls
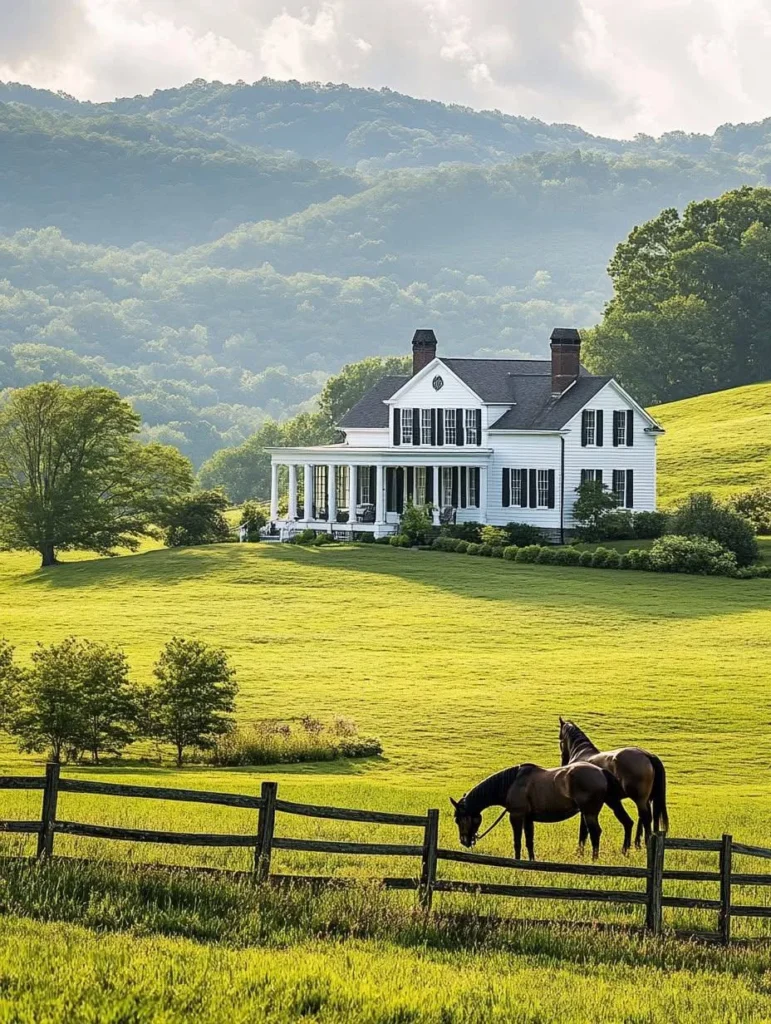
(454, 803)
(562, 721)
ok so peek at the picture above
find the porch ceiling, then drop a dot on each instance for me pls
(404, 455)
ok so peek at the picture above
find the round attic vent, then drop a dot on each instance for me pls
(438, 383)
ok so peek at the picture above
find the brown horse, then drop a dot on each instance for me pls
(531, 794)
(641, 776)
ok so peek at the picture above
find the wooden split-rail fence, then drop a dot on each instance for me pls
(264, 841)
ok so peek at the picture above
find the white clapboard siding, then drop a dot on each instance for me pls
(522, 451)
(368, 437)
(421, 393)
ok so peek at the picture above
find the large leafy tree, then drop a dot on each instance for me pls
(73, 475)
(692, 300)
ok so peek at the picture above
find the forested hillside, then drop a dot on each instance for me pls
(214, 252)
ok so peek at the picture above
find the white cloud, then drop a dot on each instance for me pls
(615, 68)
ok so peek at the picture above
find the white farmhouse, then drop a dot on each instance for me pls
(483, 440)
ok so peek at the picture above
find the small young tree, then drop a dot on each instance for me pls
(197, 519)
(593, 502)
(10, 680)
(755, 507)
(47, 716)
(194, 695)
(701, 515)
(416, 523)
(253, 517)
(107, 702)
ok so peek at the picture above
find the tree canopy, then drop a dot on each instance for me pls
(73, 475)
(691, 310)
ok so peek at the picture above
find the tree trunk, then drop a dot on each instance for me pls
(48, 554)
(180, 750)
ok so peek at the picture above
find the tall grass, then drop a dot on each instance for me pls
(294, 741)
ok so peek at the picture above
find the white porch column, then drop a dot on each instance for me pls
(308, 510)
(292, 496)
(437, 495)
(379, 495)
(353, 472)
(273, 491)
(332, 494)
(483, 494)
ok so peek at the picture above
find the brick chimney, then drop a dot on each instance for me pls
(565, 358)
(423, 349)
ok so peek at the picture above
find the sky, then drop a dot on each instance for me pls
(615, 67)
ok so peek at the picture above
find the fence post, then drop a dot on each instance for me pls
(428, 870)
(45, 839)
(724, 917)
(655, 883)
(266, 818)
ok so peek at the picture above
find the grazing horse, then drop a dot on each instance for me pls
(641, 775)
(531, 794)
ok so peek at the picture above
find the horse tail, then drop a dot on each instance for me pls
(615, 789)
(659, 795)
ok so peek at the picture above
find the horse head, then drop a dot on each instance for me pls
(565, 741)
(468, 823)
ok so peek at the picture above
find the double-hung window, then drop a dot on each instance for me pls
(420, 485)
(590, 426)
(363, 479)
(406, 426)
(591, 474)
(450, 427)
(619, 427)
(471, 426)
(342, 492)
(543, 488)
(516, 486)
(446, 482)
(619, 487)
(425, 426)
(472, 499)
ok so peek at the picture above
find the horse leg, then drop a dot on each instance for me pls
(516, 824)
(583, 832)
(626, 821)
(529, 831)
(644, 820)
(595, 831)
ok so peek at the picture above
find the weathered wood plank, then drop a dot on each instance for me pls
(699, 845)
(22, 782)
(326, 846)
(692, 876)
(159, 793)
(350, 814)
(137, 835)
(342, 882)
(20, 826)
(752, 851)
(654, 884)
(748, 879)
(724, 915)
(539, 892)
(428, 866)
(598, 870)
(750, 911)
(45, 837)
(266, 821)
(692, 902)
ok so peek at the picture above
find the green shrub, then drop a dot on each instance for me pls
(305, 537)
(547, 555)
(437, 544)
(416, 523)
(613, 561)
(755, 507)
(400, 540)
(365, 538)
(754, 572)
(698, 555)
(474, 549)
(594, 502)
(496, 550)
(323, 538)
(383, 540)
(523, 534)
(197, 519)
(617, 524)
(649, 525)
(494, 535)
(529, 553)
(510, 552)
(567, 556)
(701, 515)
(600, 557)
(461, 546)
(253, 517)
(486, 550)
(625, 562)
(463, 531)
(585, 558)
(275, 741)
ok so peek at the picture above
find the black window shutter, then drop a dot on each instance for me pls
(477, 476)
(454, 501)
(433, 426)
(584, 419)
(533, 489)
(373, 485)
(599, 439)
(616, 426)
(550, 501)
(399, 490)
(629, 428)
(397, 426)
(598, 475)
(429, 485)
(630, 488)
(440, 426)
(390, 489)
(416, 426)
(506, 488)
(410, 483)
(523, 478)
(615, 483)
(584, 475)
(479, 425)
(463, 481)
(459, 426)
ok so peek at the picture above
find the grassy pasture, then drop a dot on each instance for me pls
(461, 666)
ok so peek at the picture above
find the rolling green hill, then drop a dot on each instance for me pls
(719, 442)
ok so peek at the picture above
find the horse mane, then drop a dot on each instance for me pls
(577, 737)
(489, 791)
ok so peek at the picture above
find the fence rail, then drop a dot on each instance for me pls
(263, 841)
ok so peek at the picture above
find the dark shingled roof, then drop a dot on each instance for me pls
(371, 410)
(524, 384)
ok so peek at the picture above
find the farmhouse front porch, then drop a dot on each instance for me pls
(345, 490)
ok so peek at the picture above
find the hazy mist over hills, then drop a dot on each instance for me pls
(214, 251)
